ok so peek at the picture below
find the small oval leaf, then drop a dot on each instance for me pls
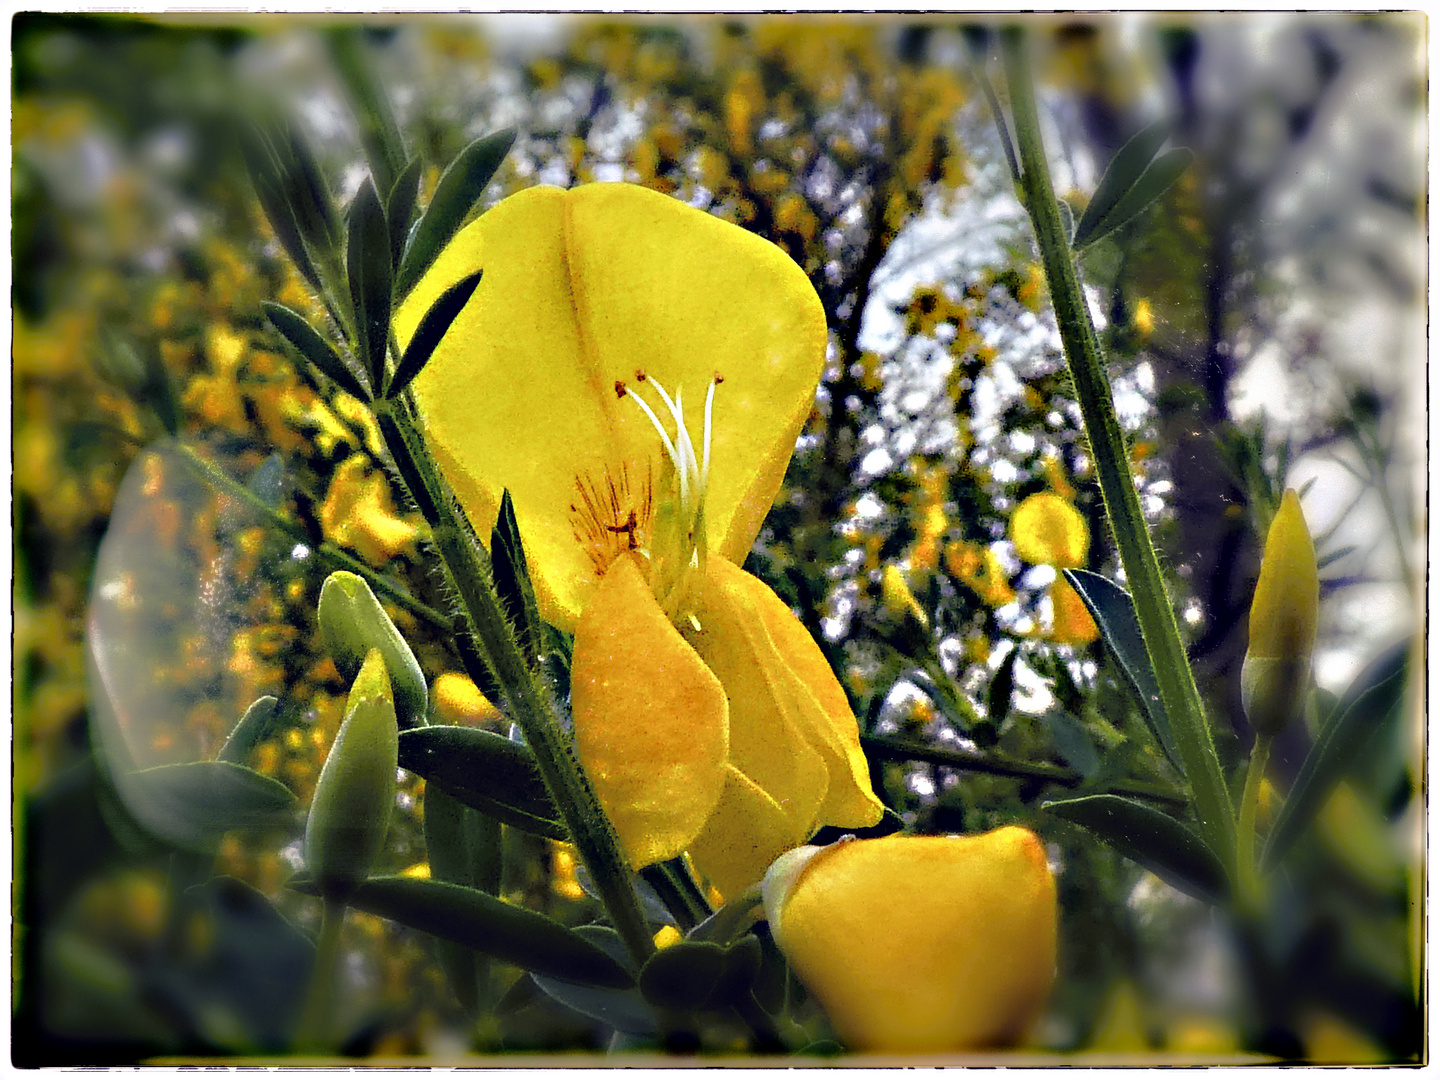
(460, 187)
(248, 732)
(682, 976)
(306, 341)
(1154, 840)
(624, 1010)
(486, 771)
(193, 805)
(479, 921)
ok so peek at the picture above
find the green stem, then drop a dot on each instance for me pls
(995, 765)
(489, 648)
(327, 552)
(1178, 692)
(1247, 877)
(312, 1036)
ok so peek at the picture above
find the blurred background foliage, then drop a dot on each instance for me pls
(1263, 324)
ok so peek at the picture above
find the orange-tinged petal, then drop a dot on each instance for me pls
(745, 834)
(920, 943)
(810, 690)
(769, 740)
(1048, 531)
(650, 719)
(582, 289)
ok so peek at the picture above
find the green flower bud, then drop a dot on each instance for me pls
(1283, 617)
(352, 622)
(356, 790)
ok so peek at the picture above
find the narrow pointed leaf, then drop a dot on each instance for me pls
(1365, 712)
(1114, 613)
(251, 728)
(1155, 840)
(264, 168)
(159, 391)
(460, 188)
(1002, 687)
(486, 771)
(1155, 182)
(193, 805)
(379, 134)
(624, 1010)
(479, 921)
(309, 195)
(367, 260)
(306, 341)
(1129, 163)
(400, 207)
(512, 578)
(432, 328)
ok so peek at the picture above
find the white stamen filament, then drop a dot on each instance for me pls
(664, 438)
(709, 404)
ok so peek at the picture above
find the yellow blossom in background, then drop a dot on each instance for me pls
(979, 569)
(899, 600)
(459, 701)
(563, 864)
(358, 513)
(922, 944)
(635, 373)
(1047, 531)
(1072, 623)
(1143, 317)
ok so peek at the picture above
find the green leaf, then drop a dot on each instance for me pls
(309, 195)
(1154, 840)
(477, 920)
(1364, 712)
(486, 771)
(264, 170)
(191, 806)
(512, 579)
(367, 260)
(306, 341)
(459, 189)
(433, 327)
(1002, 687)
(1114, 613)
(1073, 741)
(623, 1010)
(248, 732)
(1120, 176)
(464, 848)
(267, 482)
(400, 207)
(1154, 183)
(682, 976)
(379, 134)
(731, 920)
(159, 390)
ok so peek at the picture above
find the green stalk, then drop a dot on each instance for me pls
(1178, 692)
(1247, 884)
(488, 646)
(312, 1034)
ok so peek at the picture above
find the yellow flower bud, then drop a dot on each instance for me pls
(922, 944)
(350, 813)
(1283, 617)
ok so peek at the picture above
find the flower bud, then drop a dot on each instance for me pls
(356, 790)
(1283, 617)
(352, 622)
(924, 944)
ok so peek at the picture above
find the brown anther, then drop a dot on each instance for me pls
(628, 529)
(619, 389)
(639, 374)
(719, 378)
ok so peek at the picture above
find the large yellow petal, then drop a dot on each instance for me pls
(582, 289)
(746, 833)
(650, 719)
(752, 639)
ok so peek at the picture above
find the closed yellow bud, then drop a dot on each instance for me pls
(350, 813)
(920, 944)
(1283, 618)
(352, 622)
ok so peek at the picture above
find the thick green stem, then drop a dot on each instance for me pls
(488, 646)
(1178, 691)
(1247, 883)
(312, 1036)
